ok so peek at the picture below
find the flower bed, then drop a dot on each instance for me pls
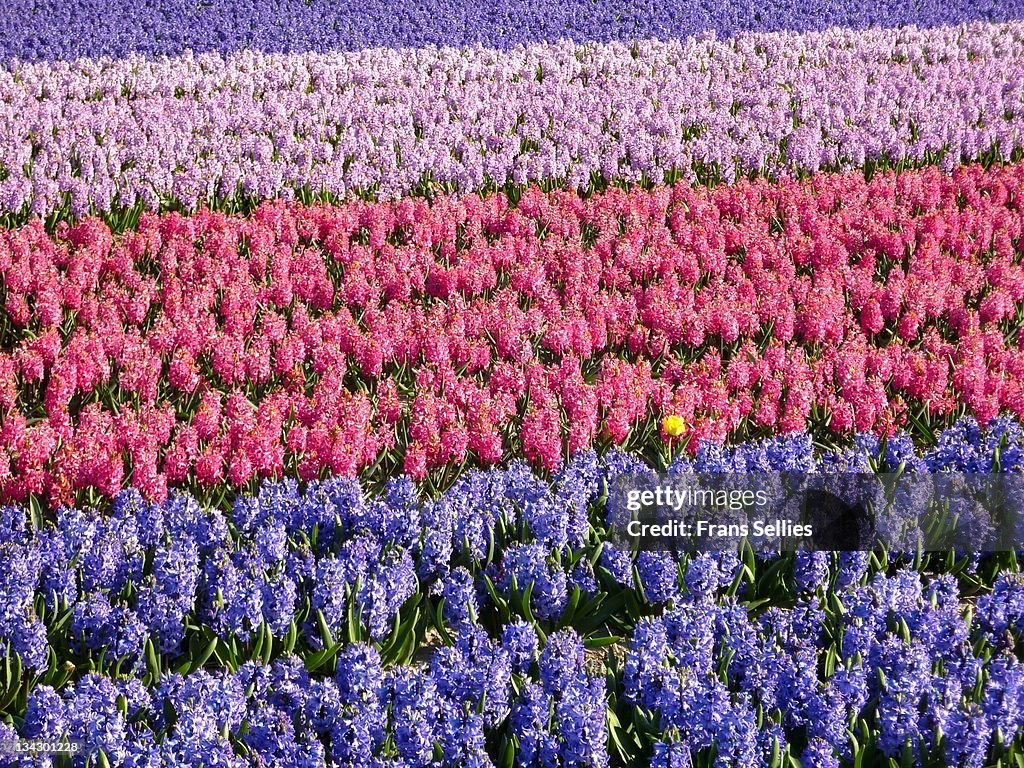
(328, 624)
(210, 348)
(118, 136)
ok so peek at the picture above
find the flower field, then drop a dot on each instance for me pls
(330, 330)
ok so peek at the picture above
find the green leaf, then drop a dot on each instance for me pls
(907, 755)
(438, 616)
(490, 544)
(569, 612)
(858, 755)
(638, 584)
(257, 648)
(507, 758)
(771, 573)
(152, 660)
(601, 642)
(619, 735)
(904, 630)
(499, 602)
(61, 622)
(325, 631)
(353, 625)
(205, 654)
(292, 636)
(595, 619)
(268, 646)
(596, 554)
(838, 608)
(316, 660)
(13, 670)
(408, 648)
(404, 642)
(524, 604)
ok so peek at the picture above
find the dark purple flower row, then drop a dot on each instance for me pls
(64, 29)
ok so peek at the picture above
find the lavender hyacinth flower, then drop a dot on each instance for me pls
(619, 564)
(1003, 696)
(580, 716)
(391, 582)
(19, 624)
(576, 486)
(114, 629)
(736, 738)
(519, 639)
(531, 724)
(819, 754)
(905, 671)
(460, 599)
(852, 567)
(94, 718)
(475, 670)
(707, 572)
(811, 570)
(671, 755)
(596, 111)
(45, 716)
(546, 516)
(702, 668)
(561, 661)
(648, 676)
(1000, 614)
(360, 729)
(415, 707)
(659, 575)
(530, 564)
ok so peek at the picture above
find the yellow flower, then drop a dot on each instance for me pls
(674, 426)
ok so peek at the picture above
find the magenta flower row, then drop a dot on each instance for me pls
(318, 339)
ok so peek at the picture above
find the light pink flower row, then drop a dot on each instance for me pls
(302, 340)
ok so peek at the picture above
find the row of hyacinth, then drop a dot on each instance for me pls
(128, 134)
(62, 29)
(327, 625)
(704, 683)
(212, 349)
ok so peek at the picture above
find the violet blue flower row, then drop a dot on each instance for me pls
(65, 29)
(256, 564)
(903, 676)
(115, 134)
(897, 661)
